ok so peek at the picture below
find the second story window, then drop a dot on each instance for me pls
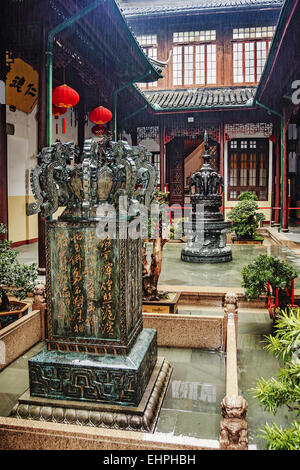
(250, 51)
(148, 42)
(194, 58)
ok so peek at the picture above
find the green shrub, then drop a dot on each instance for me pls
(284, 389)
(245, 218)
(264, 269)
(15, 278)
(247, 196)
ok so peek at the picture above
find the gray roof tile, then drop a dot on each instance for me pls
(132, 9)
(200, 98)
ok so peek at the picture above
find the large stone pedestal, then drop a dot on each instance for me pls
(118, 380)
(141, 418)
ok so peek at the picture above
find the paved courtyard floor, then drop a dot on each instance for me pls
(191, 406)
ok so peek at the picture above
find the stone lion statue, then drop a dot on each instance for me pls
(233, 427)
(39, 300)
(231, 303)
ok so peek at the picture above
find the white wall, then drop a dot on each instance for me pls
(21, 155)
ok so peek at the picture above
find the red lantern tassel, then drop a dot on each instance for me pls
(293, 291)
(64, 125)
(56, 128)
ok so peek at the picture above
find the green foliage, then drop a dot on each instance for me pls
(160, 197)
(282, 439)
(264, 269)
(247, 196)
(15, 278)
(245, 217)
(284, 389)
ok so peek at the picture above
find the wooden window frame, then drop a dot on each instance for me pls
(268, 42)
(194, 44)
(261, 147)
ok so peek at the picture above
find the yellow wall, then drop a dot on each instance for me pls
(266, 212)
(20, 226)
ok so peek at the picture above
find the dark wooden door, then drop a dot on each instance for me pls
(175, 170)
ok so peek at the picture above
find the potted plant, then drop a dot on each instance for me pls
(246, 219)
(271, 276)
(16, 280)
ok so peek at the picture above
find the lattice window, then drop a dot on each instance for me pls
(194, 36)
(195, 64)
(254, 33)
(147, 39)
(177, 65)
(200, 64)
(248, 168)
(249, 59)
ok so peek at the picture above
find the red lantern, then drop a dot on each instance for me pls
(56, 111)
(100, 115)
(64, 97)
(98, 130)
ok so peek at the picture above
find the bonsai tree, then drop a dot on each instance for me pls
(272, 276)
(151, 271)
(245, 217)
(16, 279)
(284, 389)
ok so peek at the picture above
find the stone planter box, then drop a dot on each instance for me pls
(19, 336)
(169, 305)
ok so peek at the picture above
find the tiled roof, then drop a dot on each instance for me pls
(200, 98)
(131, 9)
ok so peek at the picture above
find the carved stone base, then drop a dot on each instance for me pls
(142, 418)
(118, 380)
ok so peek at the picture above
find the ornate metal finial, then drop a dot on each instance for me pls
(206, 156)
(107, 171)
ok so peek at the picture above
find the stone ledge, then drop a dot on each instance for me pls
(186, 331)
(18, 434)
